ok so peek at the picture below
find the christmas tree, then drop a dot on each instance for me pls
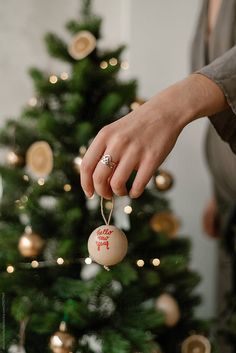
(55, 299)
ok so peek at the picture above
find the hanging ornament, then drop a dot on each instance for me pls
(169, 306)
(30, 244)
(196, 344)
(107, 245)
(137, 103)
(14, 159)
(165, 222)
(62, 341)
(82, 44)
(163, 180)
(39, 159)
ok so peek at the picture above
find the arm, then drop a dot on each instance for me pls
(142, 139)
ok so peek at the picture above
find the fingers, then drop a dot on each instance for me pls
(122, 173)
(144, 174)
(102, 175)
(90, 161)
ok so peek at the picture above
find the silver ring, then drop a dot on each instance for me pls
(107, 160)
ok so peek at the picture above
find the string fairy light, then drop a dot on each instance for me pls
(60, 261)
(32, 102)
(103, 65)
(41, 181)
(82, 150)
(156, 262)
(125, 65)
(88, 260)
(128, 209)
(34, 264)
(67, 187)
(64, 76)
(113, 61)
(140, 263)
(25, 177)
(53, 79)
(10, 269)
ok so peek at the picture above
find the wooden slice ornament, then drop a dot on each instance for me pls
(39, 159)
(107, 244)
(196, 344)
(82, 44)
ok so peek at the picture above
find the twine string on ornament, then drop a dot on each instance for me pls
(107, 221)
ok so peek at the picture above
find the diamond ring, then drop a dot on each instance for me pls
(107, 160)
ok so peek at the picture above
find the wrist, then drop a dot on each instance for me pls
(187, 100)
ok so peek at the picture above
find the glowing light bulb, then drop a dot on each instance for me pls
(33, 101)
(60, 261)
(67, 187)
(53, 79)
(34, 264)
(26, 177)
(108, 205)
(64, 76)
(125, 65)
(128, 209)
(135, 105)
(103, 65)
(88, 260)
(113, 61)
(41, 181)
(140, 263)
(156, 262)
(82, 150)
(10, 269)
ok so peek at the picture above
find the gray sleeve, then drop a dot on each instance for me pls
(223, 72)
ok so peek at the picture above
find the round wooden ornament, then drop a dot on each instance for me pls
(39, 159)
(107, 244)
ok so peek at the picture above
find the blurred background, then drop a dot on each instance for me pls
(158, 36)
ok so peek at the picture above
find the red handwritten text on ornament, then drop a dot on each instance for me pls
(103, 238)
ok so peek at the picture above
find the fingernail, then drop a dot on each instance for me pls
(134, 194)
(88, 194)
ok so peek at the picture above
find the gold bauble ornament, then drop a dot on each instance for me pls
(82, 44)
(196, 344)
(165, 222)
(14, 159)
(163, 180)
(30, 244)
(62, 341)
(39, 159)
(107, 245)
(169, 306)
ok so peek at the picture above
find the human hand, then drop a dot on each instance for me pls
(142, 139)
(139, 141)
(211, 219)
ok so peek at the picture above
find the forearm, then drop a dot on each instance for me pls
(194, 97)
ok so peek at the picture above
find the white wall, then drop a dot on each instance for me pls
(158, 33)
(160, 38)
